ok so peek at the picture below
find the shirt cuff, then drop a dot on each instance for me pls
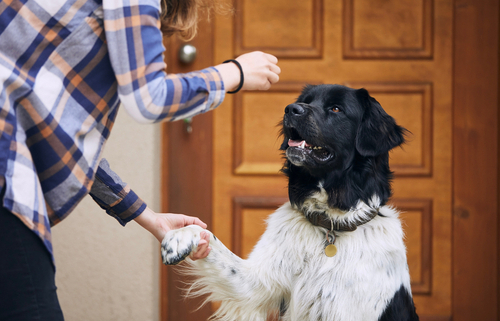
(115, 196)
(215, 87)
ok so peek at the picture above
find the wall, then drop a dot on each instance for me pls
(106, 271)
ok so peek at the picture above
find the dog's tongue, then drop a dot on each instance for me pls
(296, 143)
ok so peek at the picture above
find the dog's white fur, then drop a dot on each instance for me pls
(289, 265)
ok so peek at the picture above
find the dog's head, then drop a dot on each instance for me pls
(338, 137)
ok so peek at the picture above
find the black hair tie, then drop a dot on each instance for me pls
(242, 79)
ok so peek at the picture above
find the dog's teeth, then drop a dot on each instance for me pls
(302, 144)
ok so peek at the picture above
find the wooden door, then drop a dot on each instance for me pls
(402, 52)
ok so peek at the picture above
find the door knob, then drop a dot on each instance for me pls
(187, 53)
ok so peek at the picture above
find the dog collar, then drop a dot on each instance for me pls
(322, 220)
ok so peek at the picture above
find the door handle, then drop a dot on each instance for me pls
(187, 54)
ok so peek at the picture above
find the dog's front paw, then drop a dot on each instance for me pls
(178, 244)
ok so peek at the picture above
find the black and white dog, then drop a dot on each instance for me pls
(335, 252)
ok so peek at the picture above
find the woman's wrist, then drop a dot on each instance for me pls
(148, 220)
(242, 76)
(230, 75)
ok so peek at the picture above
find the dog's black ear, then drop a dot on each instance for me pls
(378, 132)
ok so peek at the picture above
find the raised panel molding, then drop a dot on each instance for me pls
(240, 165)
(424, 208)
(312, 47)
(356, 44)
(423, 168)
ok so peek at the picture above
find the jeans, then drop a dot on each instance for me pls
(27, 274)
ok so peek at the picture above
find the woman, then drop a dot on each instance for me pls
(65, 68)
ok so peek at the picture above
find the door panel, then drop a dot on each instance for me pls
(400, 51)
(388, 29)
(291, 30)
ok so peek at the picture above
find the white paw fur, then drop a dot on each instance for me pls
(178, 244)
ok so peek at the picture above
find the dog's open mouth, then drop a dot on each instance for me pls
(300, 148)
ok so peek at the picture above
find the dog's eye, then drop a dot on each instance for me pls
(336, 109)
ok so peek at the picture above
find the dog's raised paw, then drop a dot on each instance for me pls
(178, 244)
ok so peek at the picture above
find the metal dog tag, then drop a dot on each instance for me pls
(330, 250)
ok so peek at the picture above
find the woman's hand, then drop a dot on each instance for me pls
(260, 71)
(159, 224)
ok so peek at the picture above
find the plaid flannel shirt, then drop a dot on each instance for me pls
(65, 66)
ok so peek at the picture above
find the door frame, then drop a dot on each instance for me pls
(186, 165)
(476, 189)
(475, 160)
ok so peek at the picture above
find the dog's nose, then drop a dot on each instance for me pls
(294, 109)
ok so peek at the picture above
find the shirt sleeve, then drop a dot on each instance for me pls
(135, 45)
(115, 196)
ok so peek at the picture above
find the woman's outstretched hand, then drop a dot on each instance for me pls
(260, 71)
(159, 224)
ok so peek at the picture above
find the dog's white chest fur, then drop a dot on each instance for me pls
(356, 284)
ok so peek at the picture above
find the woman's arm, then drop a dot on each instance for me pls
(146, 91)
(115, 196)
(119, 201)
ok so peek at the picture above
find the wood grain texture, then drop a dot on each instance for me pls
(475, 160)
(392, 29)
(278, 27)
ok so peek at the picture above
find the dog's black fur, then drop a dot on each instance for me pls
(333, 117)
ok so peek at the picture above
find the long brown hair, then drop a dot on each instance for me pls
(181, 16)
